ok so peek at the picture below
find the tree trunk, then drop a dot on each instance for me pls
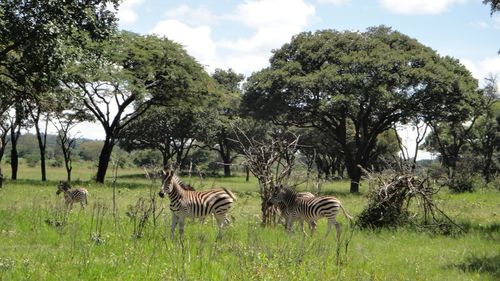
(227, 166)
(248, 173)
(104, 158)
(14, 157)
(354, 172)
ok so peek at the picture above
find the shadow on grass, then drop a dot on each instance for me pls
(76, 183)
(343, 193)
(488, 265)
(492, 231)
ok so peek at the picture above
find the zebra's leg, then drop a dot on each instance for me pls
(312, 226)
(181, 225)
(175, 219)
(221, 222)
(289, 224)
(302, 228)
(82, 204)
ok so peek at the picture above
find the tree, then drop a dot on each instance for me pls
(64, 122)
(353, 86)
(170, 130)
(33, 35)
(227, 110)
(117, 81)
(494, 4)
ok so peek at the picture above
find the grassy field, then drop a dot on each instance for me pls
(38, 242)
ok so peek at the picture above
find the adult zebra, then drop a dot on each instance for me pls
(285, 210)
(195, 204)
(309, 209)
(72, 195)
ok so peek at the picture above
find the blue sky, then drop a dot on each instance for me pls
(241, 34)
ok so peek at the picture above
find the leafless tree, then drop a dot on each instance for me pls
(271, 161)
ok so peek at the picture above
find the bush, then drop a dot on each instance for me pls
(465, 182)
(32, 160)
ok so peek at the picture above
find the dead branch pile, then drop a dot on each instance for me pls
(390, 197)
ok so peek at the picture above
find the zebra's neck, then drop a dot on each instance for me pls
(289, 194)
(176, 186)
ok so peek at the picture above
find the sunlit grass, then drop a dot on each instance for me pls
(33, 247)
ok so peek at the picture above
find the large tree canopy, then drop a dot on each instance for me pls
(33, 34)
(353, 86)
(118, 80)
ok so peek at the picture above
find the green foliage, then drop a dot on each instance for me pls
(33, 35)
(89, 150)
(353, 86)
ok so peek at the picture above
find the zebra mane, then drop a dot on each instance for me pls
(289, 192)
(184, 186)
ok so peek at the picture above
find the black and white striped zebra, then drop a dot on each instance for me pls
(195, 204)
(72, 195)
(309, 209)
(286, 211)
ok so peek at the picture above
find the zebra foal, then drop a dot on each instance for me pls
(286, 211)
(309, 209)
(72, 195)
(195, 204)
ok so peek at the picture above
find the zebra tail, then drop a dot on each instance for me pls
(229, 193)
(346, 214)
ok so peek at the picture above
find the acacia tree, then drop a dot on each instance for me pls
(226, 110)
(117, 81)
(170, 130)
(33, 35)
(353, 86)
(64, 122)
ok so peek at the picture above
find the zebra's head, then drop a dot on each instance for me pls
(166, 186)
(62, 187)
(277, 194)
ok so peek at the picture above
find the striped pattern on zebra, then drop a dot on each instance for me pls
(309, 209)
(286, 210)
(72, 195)
(195, 204)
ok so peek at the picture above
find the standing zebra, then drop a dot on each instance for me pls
(286, 211)
(195, 204)
(309, 209)
(72, 195)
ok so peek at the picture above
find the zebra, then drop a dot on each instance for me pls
(285, 211)
(72, 195)
(195, 204)
(309, 209)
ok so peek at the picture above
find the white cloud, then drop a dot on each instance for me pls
(126, 11)
(199, 16)
(267, 13)
(482, 69)
(273, 22)
(196, 40)
(410, 7)
(334, 2)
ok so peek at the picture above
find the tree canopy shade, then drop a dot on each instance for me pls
(32, 34)
(118, 80)
(353, 86)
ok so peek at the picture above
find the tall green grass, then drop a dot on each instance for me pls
(34, 246)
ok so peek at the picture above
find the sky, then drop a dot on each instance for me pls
(242, 34)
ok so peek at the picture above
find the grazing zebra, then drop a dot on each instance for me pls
(309, 209)
(72, 195)
(195, 204)
(286, 210)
